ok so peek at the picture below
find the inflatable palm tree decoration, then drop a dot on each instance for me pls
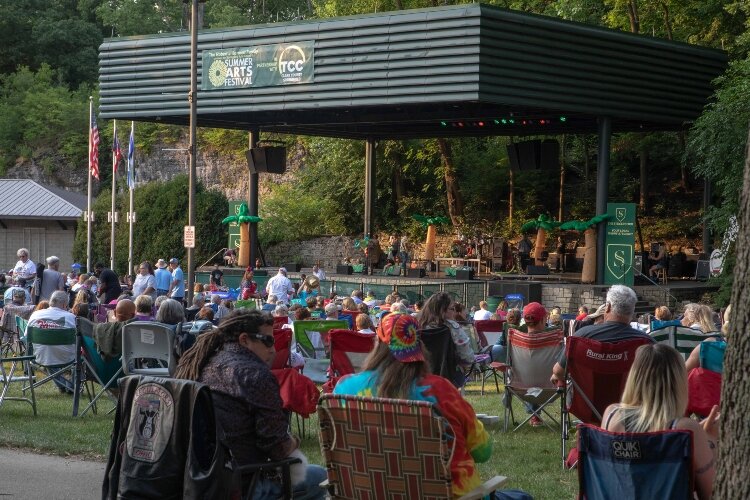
(543, 224)
(588, 227)
(430, 223)
(243, 218)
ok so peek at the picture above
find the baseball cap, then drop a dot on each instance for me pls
(534, 311)
(401, 332)
(599, 312)
(174, 260)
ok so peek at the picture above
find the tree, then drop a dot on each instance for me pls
(734, 445)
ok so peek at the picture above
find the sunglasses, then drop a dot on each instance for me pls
(266, 340)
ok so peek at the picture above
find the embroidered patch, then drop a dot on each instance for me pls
(151, 422)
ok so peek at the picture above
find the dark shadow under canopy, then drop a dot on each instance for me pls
(466, 70)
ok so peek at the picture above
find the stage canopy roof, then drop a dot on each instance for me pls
(465, 70)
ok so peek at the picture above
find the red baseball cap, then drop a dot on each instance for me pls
(534, 311)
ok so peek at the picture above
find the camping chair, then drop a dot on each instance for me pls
(704, 383)
(491, 330)
(104, 372)
(595, 375)
(249, 304)
(350, 317)
(682, 338)
(481, 359)
(7, 377)
(348, 349)
(443, 358)
(282, 342)
(280, 321)
(382, 449)
(531, 357)
(622, 465)
(148, 340)
(310, 340)
(36, 337)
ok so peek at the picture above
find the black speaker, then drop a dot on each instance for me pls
(528, 154)
(703, 270)
(537, 270)
(549, 158)
(464, 274)
(293, 267)
(512, 155)
(497, 265)
(271, 159)
(415, 273)
(532, 291)
(344, 269)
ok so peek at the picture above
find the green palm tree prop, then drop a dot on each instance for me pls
(430, 223)
(243, 218)
(543, 225)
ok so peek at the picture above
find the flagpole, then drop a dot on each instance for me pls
(131, 183)
(88, 203)
(112, 233)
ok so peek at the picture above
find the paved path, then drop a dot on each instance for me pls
(31, 476)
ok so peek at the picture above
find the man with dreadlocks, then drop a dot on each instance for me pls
(234, 361)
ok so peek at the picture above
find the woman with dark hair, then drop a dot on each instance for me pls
(234, 361)
(398, 368)
(439, 313)
(655, 398)
(248, 287)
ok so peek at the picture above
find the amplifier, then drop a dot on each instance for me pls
(464, 274)
(537, 270)
(415, 273)
(344, 269)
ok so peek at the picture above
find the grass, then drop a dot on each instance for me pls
(530, 457)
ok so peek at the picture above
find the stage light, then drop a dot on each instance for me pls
(481, 124)
(511, 121)
(443, 124)
(506, 121)
(460, 124)
(562, 119)
(497, 122)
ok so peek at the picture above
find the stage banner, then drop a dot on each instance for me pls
(620, 241)
(234, 228)
(259, 66)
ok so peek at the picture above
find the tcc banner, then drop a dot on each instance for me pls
(619, 244)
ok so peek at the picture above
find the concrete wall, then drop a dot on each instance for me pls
(42, 237)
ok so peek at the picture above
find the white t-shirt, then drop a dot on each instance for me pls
(53, 317)
(24, 270)
(281, 287)
(320, 274)
(482, 314)
(142, 282)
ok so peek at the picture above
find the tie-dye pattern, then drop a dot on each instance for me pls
(472, 441)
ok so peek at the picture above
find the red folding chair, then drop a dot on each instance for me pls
(704, 391)
(349, 349)
(279, 321)
(489, 332)
(595, 375)
(282, 341)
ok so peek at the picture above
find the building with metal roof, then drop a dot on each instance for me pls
(38, 217)
(464, 70)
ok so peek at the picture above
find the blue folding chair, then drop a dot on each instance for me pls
(622, 465)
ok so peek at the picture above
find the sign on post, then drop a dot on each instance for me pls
(189, 236)
(620, 241)
(233, 243)
(258, 66)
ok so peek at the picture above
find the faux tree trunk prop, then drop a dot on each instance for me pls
(588, 273)
(364, 245)
(543, 224)
(243, 219)
(430, 223)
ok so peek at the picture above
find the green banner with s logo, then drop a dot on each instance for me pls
(620, 242)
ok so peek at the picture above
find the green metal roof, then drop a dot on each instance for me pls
(400, 74)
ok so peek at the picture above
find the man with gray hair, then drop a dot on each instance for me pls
(52, 279)
(280, 286)
(618, 313)
(332, 311)
(54, 317)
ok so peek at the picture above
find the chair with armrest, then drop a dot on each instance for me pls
(619, 465)
(595, 374)
(148, 340)
(490, 331)
(682, 338)
(349, 349)
(105, 372)
(380, 449)
(311, 341)
(282, 341)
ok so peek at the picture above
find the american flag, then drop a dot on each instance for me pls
(116, 154)
(94, 147)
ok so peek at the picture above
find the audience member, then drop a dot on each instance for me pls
(357, 297)
(482, 314)
(145, 281)
(170, 312)
(348, 304)
(363, 324)
(332, 311)
(177, 285)
(144, 308)
(699, 317)
(248, 287)
(270, 304)
(109, 285)
(319, 272)
(43, 304)
(439, 311)
(583, 311)
(280, 286)
(162, 278)
(56, 316)
(199, 300)
(662, 313)
(205, 313)
(52, 279)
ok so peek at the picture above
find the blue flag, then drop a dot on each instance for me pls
(131, 162)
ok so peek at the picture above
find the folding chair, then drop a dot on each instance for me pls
(280, 321)
(704, 382)
(8, 377)
(50, 337)
(623, 465)
(104, 372)
(595, 375)
(282, 341)
(489, 332)
(531, 357)
(349, 349)
(481, 359)
(148, 340)
(682, 338)
(379, 448)
(311, 342)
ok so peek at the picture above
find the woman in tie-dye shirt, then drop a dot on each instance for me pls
(397, 368)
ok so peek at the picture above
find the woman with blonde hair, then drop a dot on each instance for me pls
(699, 317)
(655, 399)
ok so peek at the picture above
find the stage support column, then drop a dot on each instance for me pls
(252, 200)
(604, 129)
(370, 159)
(707, 188)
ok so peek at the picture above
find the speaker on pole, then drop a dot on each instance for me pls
(528, 154)
(271, 159)
(512, 155)
(549, 158)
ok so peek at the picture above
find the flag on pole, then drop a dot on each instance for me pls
(116, 154)
(94, 147)
(131, 161)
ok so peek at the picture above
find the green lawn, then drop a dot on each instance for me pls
(530, 458)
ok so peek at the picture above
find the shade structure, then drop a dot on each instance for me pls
(466, 70)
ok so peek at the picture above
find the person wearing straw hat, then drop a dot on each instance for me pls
(309, 288)
(397, 368)
(162, 277)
